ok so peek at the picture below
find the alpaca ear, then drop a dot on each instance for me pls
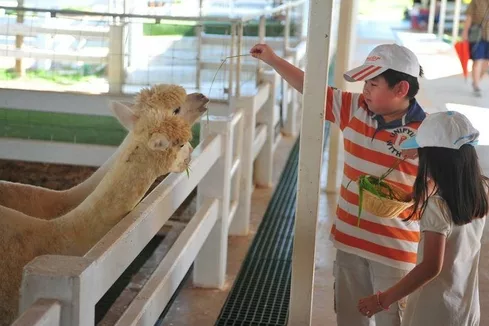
(124, 113)
(158, 142)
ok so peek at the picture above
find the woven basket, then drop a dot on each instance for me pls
(384, 207)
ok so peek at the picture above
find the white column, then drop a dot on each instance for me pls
(431, 17)
(310, 161)
(344, 52)
(456, 20)
(441, 21)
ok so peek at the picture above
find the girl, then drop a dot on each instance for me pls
(451, 196)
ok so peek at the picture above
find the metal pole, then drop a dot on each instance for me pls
(456, 20)
(431, 17)
(441, 21)
(19, 42)
(262, 31)
(199, 29)
(238, 60)
(310, 161)
(231, 62)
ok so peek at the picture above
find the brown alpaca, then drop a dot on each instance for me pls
(46, 203)
(157, 143)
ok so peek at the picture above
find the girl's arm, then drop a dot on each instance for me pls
(429, 268)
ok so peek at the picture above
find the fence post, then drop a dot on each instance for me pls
(292, 106)
(263, 165)
(115, 60)
(63, 278)
(241, 222)
(262, 33)
(239, 46)
(210, 264)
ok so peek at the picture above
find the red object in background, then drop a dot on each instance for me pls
(463, 51)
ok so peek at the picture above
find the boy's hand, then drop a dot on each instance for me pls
(368, 306)
(264, 53)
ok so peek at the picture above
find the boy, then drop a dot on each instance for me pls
(379, 252)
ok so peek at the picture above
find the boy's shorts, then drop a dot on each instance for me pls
(479, 50)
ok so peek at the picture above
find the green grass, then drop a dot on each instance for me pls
(185, 28)
(66, 127)
(392, 8)
(49, 76)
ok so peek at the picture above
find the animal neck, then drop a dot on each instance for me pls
(78, 193)
(117, 194)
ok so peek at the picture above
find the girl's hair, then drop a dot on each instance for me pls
(456, 177)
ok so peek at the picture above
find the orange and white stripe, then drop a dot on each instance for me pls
(364, 72)
(389, 241)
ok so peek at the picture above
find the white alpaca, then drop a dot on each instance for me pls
(157, 144)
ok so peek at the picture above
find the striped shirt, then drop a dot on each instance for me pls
(371, 147)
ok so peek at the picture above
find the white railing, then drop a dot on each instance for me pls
(44, 312)
(63, 290)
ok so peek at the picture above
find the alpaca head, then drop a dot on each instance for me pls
(171, 99)
(160, 121)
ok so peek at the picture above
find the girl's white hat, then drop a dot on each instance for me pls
(449, 129)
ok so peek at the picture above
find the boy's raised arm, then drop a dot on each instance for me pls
(292, 75)
(339, 106)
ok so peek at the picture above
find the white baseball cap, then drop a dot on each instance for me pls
(382, 58)
(448, 129)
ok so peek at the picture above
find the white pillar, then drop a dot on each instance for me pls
(441, 21)
(431, 17)
(344, 51)
(456, 20)
(310, 161)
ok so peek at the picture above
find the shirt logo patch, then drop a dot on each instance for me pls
(396, 137)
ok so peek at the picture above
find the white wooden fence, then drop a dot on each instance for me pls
(235, 153)
(61, 290)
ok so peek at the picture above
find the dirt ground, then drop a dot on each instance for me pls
(52, 176)
(64, 176)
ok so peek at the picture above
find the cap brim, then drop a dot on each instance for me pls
(364, 72)
(410, 143)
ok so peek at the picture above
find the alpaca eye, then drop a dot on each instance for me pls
(181, 146)
(176, 111)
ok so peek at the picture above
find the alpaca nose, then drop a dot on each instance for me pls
(202, 97)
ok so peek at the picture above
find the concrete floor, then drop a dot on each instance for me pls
(202, 307)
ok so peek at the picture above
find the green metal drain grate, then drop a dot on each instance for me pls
(260, 295)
